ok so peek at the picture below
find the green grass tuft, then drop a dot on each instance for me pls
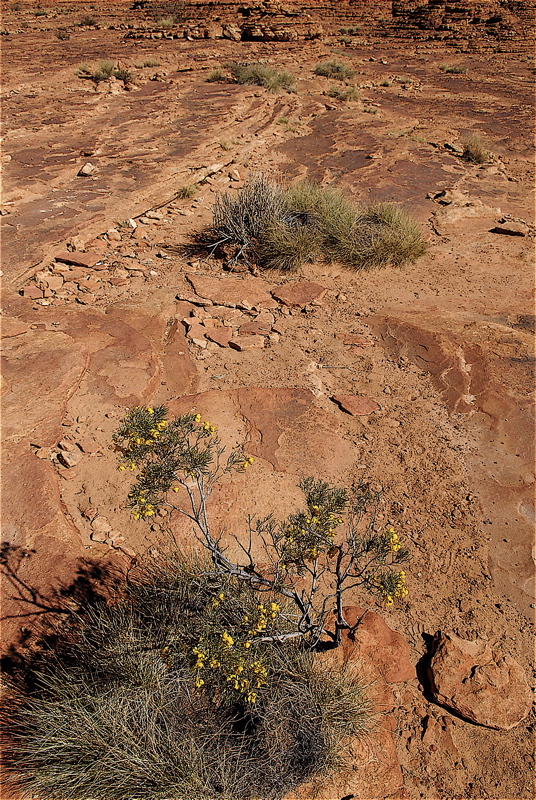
(334, 69)
(261, 75)
(282, 228)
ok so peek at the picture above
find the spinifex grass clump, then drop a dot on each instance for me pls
(261, 75)
(104, 71)
(474, 150)
(282, 228)
(334, 69)
(169, 692)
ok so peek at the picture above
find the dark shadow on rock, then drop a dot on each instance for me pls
(44, 610)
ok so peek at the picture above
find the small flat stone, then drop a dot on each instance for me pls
(354, 339)
(69, 458)
(87, 169)
(255, 328)
(54, 282)
(235, 175)
(229, 291)
(101, 524)
(299, 294)
(221, 336)
(355, 405)
(511, 229)
(32, 291)
(188, 297)
(196, 330)
(113, 235)
(247, 343)
(87, 444)
(118, 281)
(79, 259)
(154, 215)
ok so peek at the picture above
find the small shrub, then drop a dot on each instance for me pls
(352, 31)
(217, 76)
(348, 94)
(334, 69)
(453, 70)
(15, 6)
(40, 13)
(370, 110)
(123, 74)
(260, 75)
(474, 150)
(63, 34)
(104, 71)
(165, 22)
(404, 80)
(385, 82)
(87, 22)
(188, 191)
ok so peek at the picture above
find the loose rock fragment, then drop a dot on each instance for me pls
(247, 342)
(299, 294)
(486, 687)
(355, 405)
(87, 170)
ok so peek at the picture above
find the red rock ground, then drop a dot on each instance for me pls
(443, 348)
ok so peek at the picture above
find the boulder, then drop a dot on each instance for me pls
(483, 686)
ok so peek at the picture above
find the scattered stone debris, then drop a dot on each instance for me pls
(508, 228)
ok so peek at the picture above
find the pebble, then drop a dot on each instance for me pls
(87, 169)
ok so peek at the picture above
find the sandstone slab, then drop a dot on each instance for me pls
(221, 336)
(355, 405)
(299, 294)
(242, 343)
(248, 292)
(79, 259)
(387, 648)
(485, 687)
(255, 328)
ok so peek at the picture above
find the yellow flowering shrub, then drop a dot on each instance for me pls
(315, 555)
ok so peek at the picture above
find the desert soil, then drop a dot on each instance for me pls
(444, 347)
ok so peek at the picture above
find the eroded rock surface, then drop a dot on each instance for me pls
(486, 687)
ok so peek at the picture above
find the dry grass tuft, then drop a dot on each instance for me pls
(282, 228)
(261, 75)
(474, 150)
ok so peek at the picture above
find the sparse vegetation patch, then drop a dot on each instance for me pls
(348, 94)
(261, 75)
(282, 228)
(474, 150)
(334, 69)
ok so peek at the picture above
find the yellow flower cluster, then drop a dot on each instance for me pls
(143, 509)
(392, 539)
(206, 426)
(247, 462)
(399, 590)
(266, 614)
